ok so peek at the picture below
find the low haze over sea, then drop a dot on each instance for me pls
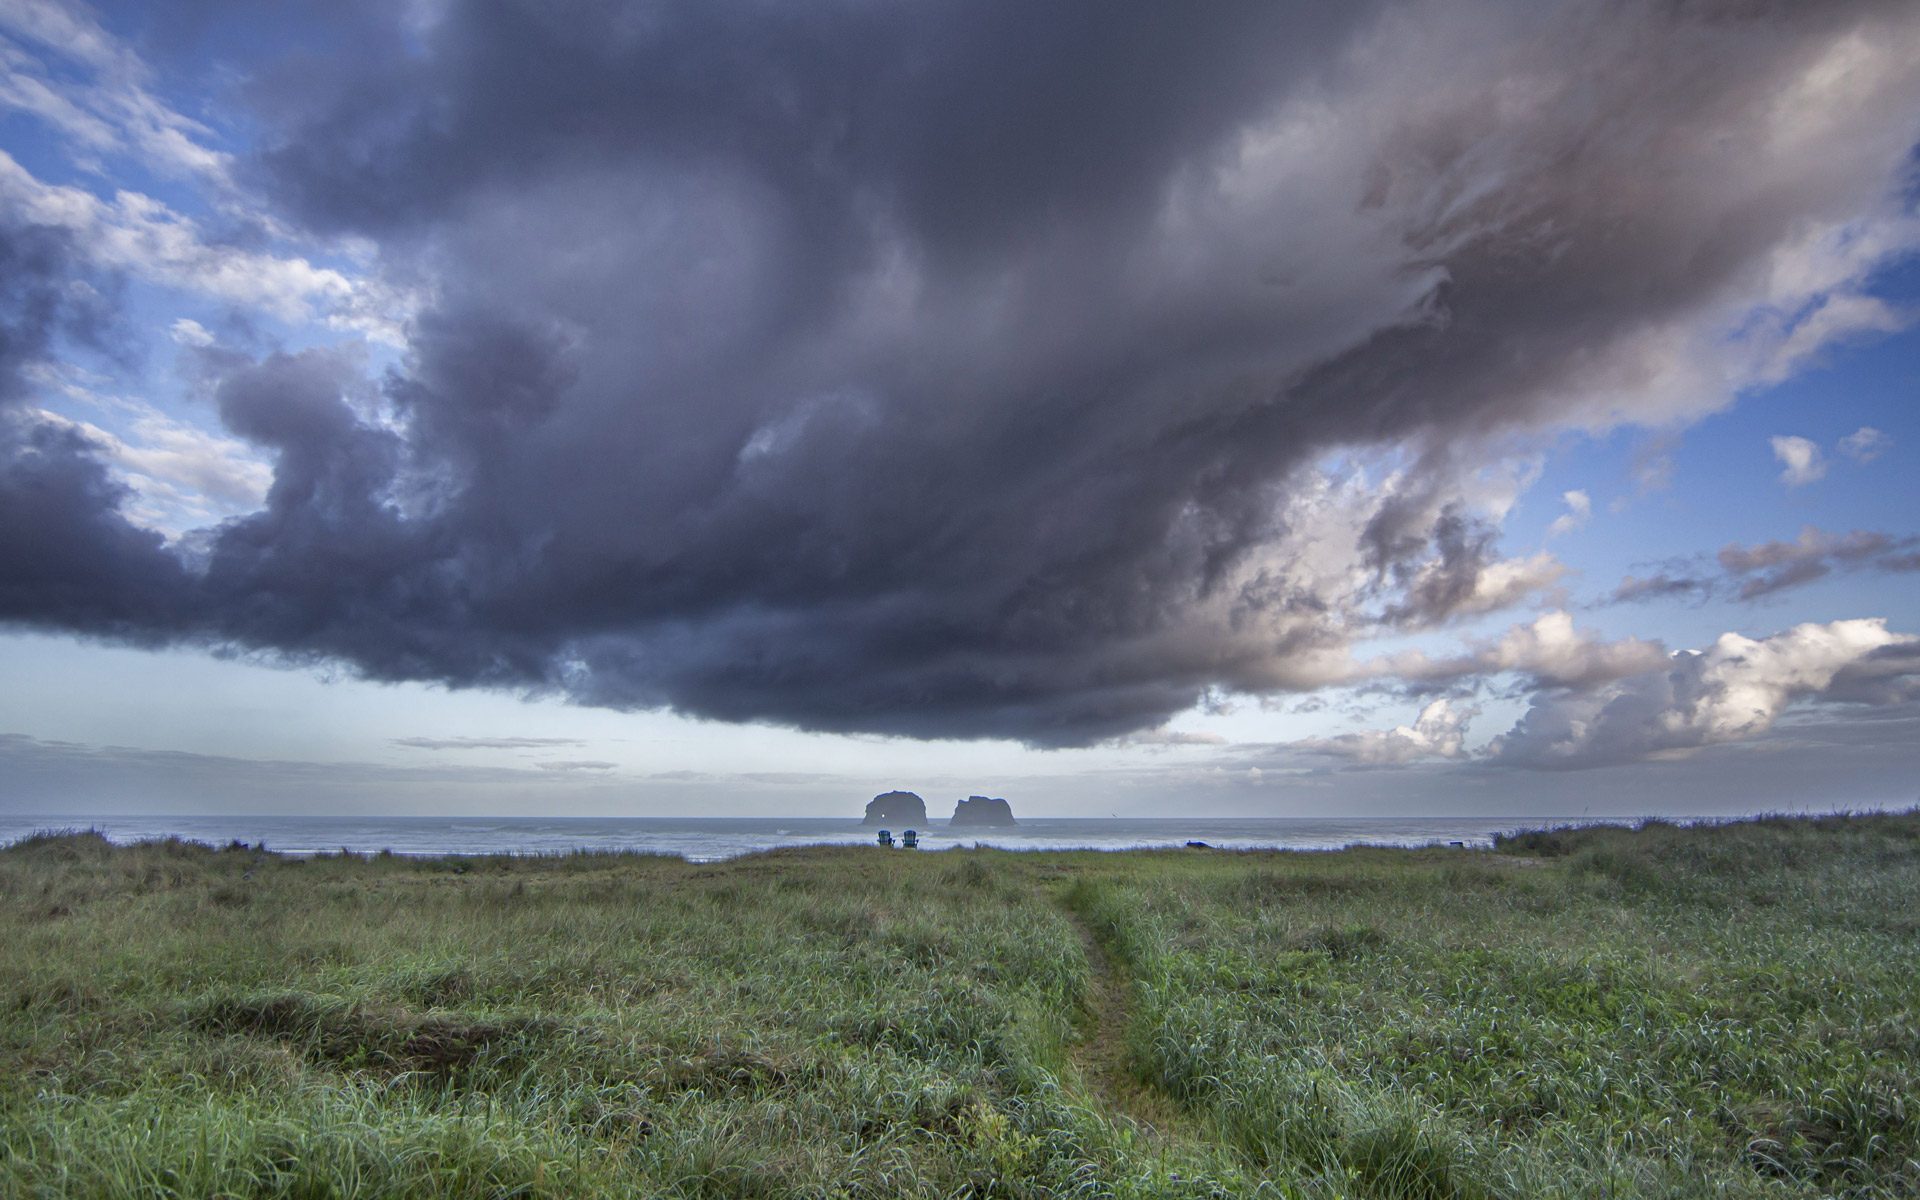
(712, 838)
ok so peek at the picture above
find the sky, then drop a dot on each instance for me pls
(1465, 407)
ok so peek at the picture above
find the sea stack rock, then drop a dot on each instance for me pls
(896, 808)
(982, 810)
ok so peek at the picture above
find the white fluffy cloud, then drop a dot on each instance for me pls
(1802, 459)
(1865, 444)
(1579, 511)
(1438, 732)
(1555, 654)
(140, 235)
(189, 332)
(1547, 652)
(1732, 691)
(99, 99)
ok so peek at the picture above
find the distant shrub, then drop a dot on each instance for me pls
(1539, 843)
(63, 845)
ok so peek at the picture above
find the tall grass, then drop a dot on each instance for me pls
(1663, 1011)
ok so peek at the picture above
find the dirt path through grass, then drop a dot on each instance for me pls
(1101, 1054)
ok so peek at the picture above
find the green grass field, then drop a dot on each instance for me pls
(1726, 1011)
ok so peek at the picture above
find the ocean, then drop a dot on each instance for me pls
(706, 839)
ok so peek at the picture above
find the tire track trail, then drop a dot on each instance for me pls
(1101, 1054)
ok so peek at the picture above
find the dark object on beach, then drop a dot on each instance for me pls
(1198, 846)
(886, 837)
(911, 839)
(1462, 845)
(982, 810)
(889, 807)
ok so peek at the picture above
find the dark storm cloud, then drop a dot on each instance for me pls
(36, 302)
(66, 548)
(66, 554)
(953, 369)
(967, 122)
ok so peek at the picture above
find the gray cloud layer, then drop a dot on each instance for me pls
(960, 370)
(1752, 572)
(485, 743)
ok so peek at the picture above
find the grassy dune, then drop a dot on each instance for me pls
(1727, 1011)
